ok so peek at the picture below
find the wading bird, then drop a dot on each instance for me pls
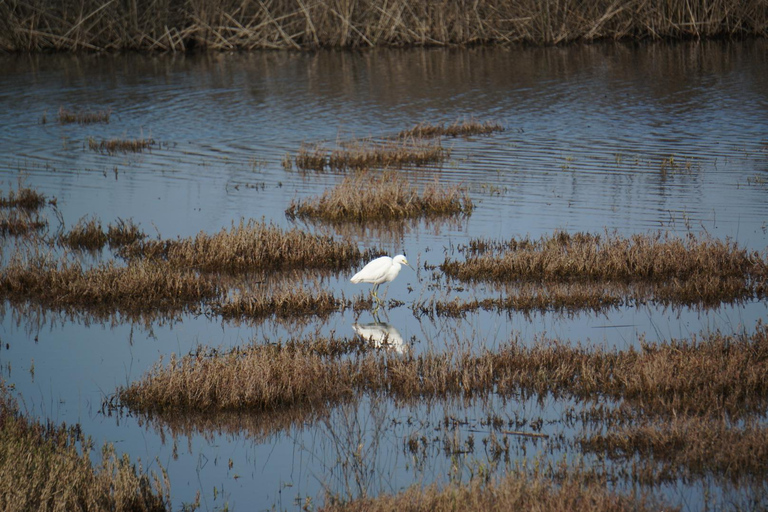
(381, 270)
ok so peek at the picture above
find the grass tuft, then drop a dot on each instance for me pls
(48, 467)
(382, 196)
(457, 129)
(67, 116)
(113, 146)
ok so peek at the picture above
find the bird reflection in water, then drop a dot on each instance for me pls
(381, 334)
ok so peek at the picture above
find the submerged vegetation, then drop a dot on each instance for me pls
(382, 196)
(48, 467)
(230, 25)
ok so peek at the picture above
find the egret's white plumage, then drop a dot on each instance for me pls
(381, 270)
(381, 335)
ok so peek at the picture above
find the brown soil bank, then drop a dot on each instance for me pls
(93, 25)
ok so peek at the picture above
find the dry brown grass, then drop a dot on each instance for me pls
(580, 256)
(687, 447)
(367, 154)
(716, 376)
(89, 235)
(25, 198)
(113, 146)
(280, 303)
(139, 286)
(458, 128)
(251, 246)
(519, 489)
(67, 116)
(20, 223)
(48, 467)
(229, 25)
(382, 196)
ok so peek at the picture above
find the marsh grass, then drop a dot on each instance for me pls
(716, 376)
(140, 286)
(48, 467)
(89, 235)
(581, 256)
(280, 303)
(385, 196)
(114, 146)
(228, 25)
(67, 116)
(458, 128)
(20, 223)
(367, 154)
(520, 489)
(24, 198)
(251, 246)
(687, 447)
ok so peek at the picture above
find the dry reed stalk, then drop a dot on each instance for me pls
(48, 467)
(137, 287)
(112, 146)
(650, 258)
(382, 196)
(251, 246)
(228, 25)
(457, 129)
(67, 116)
(718, 376)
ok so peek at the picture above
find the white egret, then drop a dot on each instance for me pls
(381, 270)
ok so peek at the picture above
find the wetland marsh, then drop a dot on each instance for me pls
(585, 322)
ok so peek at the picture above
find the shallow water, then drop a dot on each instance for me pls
(632, 138)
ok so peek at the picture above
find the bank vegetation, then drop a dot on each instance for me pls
(143, 25)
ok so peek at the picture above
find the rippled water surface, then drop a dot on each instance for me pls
(632, 138)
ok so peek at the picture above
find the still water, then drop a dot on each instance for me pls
(631, 138)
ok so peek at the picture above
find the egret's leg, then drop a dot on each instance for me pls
(373, 292)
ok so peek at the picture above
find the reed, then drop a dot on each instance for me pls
(48, 467)
(67, 116)
(458, 128)
(91, 25)
(113, 146)
(717, 376)
(251, 246)
(382, 196)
